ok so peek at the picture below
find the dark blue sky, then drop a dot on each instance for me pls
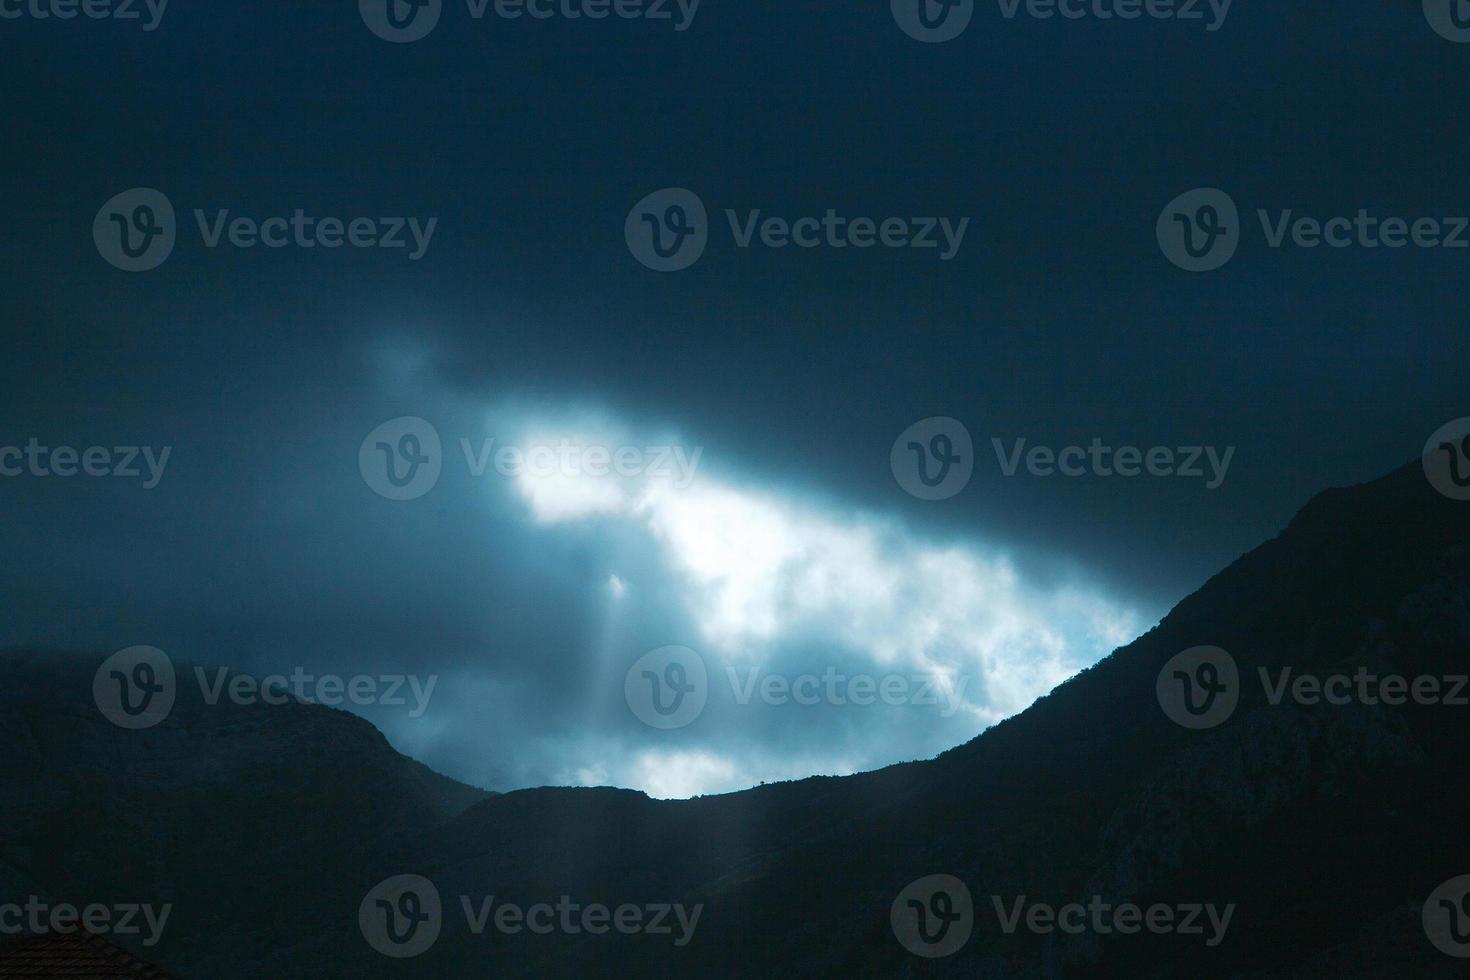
(1058, 321)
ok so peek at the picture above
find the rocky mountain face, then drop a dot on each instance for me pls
(1300, 835)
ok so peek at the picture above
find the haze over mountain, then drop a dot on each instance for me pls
(699, 487)
(1323, 828)
(1058, 322)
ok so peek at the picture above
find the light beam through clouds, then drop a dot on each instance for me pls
(768, 578)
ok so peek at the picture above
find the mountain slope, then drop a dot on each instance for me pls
(1324, 826)
(1317, 822)
(230, 812)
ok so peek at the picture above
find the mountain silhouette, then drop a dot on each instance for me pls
(1324, 827)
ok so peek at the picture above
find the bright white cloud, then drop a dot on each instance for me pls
(761, 570)
(767, 578)
(556, 497)
(680, 775)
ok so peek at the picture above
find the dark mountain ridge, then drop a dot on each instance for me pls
(1324, 826)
